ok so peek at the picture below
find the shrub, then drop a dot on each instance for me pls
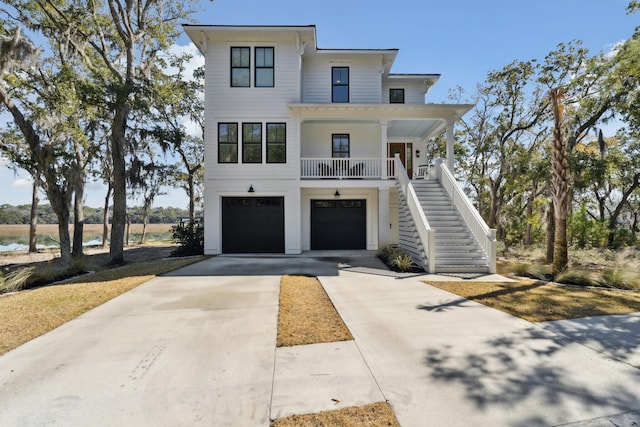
(16, 280)
(396, 259)
(403, 262)
(578, 277)
(190, 236)
(534, 271)
(618, 277)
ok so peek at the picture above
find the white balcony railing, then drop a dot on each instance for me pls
(350, 168)
(485, 236)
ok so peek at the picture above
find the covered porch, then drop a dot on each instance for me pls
(360, 141)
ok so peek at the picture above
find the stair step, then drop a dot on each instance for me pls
(457, 251)
(461, 269)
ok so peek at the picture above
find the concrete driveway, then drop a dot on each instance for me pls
(198, 348)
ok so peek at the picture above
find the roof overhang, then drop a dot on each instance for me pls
(403, 120)
(202, 34)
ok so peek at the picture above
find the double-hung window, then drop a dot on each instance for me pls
(340, 84)
(252, 143)
(264, 74)
(240, 67)
(276, 143)
(227, 143)
(340, 145)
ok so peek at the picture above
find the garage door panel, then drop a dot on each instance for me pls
(253, 225)
(338, 224)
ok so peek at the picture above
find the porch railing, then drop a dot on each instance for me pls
(426, 234)
(349, 168)
(485, 236)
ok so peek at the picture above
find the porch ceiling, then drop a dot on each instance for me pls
(414, 128)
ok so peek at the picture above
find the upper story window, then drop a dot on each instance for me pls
(276, 142)
(340, 84)
(227, 143)
(264, 75)
(252, 143)
(396, 96)
(340, 145)
(240, 67)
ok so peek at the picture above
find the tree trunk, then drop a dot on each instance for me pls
(105, 217)
(61, 204)
(551, 232)
(192, 196)
(118, 220)
(78, 201)
(560, 183)
(78, 220)
(143, 238)
(65, 240)
(33, 218)
(527, 235)
(128, 229)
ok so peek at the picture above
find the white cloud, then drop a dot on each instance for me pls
(197, 60)
(20, 183)
(612, 49)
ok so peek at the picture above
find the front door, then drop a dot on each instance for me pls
(405, 149)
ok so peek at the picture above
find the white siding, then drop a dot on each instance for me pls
(364, 138)
(413, 91)
(224, 103)
(364, 78)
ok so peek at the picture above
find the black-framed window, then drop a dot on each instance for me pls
(264, 73)
(339, 84)
(396, 96)
(340, 145)
(252, 143)
(227, 143)
(240, 67)
(276, 142)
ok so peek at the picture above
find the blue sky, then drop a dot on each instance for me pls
(460, 39)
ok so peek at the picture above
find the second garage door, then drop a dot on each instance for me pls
(338, 224)
(253, 224)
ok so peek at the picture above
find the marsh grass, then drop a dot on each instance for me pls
(15, 280)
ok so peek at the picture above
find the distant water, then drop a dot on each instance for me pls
(20, 247)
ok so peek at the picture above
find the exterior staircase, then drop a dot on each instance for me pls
(457, 251)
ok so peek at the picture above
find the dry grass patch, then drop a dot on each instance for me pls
(307, 315)
(374, 415)
(29, 314)
(540, 301)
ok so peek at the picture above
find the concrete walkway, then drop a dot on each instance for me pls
(198, 348)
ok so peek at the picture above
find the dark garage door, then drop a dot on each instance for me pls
(338, 224)
(252, 225)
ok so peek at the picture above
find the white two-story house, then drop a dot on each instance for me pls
(322, 149)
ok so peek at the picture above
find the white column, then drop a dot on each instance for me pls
(383, 217)
(383, 149)
(450, 156)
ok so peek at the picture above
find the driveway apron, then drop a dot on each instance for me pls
(179, 350)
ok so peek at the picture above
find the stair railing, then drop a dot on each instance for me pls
(426, 234)
(485, 236)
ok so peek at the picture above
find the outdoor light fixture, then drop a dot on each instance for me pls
(251, 190)
(337, 193)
